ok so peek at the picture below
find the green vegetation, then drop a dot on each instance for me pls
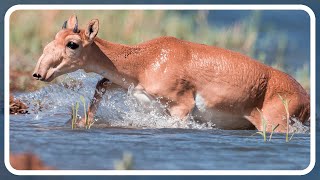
(285, 103)
(272, 131)
(126, 163)
(84, 110)
(75, 114)
(263, 133)
(31, 30)
(264, 121)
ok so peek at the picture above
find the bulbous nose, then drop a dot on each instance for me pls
(36, 76)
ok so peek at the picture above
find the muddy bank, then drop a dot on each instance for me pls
(27, 161)
(17, 106)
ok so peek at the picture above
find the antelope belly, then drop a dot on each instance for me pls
(219, 119)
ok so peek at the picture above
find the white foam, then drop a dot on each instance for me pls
(117, 108)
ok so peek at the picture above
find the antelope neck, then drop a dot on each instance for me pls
(105, 58)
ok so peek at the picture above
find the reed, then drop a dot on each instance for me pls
(75, 110)
(272, 131)
(87, 123)
(285, 103)
(74, 115)
(264, 121)
(263, 133)
(84, 110)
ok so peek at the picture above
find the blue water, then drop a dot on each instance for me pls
(100, 148)
(155, 141)
(294, 26)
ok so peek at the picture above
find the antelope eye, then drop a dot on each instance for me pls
(72, 45)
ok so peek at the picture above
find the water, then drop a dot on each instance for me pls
(275, 25)
(155, 141)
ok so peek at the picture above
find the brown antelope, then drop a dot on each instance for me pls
(210, 83)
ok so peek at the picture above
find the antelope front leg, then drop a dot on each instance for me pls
(100, 90)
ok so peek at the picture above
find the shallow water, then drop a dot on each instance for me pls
(155, 141)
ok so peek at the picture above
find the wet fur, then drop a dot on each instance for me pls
(233, 86)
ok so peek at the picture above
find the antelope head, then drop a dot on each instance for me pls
(67, 52)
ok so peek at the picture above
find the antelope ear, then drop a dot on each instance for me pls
(72, 22)
(91, 30)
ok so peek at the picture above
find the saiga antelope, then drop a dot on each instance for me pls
(211, 83)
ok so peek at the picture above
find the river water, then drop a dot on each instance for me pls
(155, 141)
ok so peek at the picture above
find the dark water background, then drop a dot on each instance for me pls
(154, 141)
(294, 24)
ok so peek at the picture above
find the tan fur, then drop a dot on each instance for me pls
(231, 85)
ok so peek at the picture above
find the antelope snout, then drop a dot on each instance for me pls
(37, 76)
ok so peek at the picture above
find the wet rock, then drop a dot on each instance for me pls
(17, 107)
(27, 161)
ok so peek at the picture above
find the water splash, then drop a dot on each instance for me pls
(298, 127)
(118, 108)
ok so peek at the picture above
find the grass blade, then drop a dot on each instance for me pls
(264, 126)
(261, 133)
(291, 136)
(273, 129)
(285, 103)
(73, 117)
(82, 99)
